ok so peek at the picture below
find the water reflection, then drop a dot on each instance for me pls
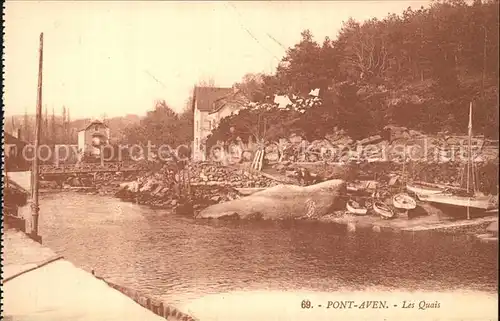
(179, 259)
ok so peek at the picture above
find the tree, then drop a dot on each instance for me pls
(365, 49)
(54, 135)
(210, 82)
(64, 128)
(252, 85)
(185, 133)
(161, 126)
(264, 123)
(27, 127)
(45, 131)
(306, 66)
(68, 128)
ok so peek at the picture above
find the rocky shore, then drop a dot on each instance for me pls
(208, 184)
(223, 186)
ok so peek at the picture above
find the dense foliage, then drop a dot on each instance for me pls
(162, 126)
(420, 69)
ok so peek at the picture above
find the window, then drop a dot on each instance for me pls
(96, 128)
(12, 151)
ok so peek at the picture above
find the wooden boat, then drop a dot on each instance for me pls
(351, 187)
(361, 186)
(479, 202)
(465, 198)
(382, 210)
(421, 188)
(404, 201)
(354, 207)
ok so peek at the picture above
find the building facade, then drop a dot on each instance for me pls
(210, 105)
(91, 137)
(17, 156)
(226, 106)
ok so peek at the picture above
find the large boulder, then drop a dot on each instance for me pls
(282, 202)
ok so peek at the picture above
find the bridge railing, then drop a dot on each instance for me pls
(89, 167)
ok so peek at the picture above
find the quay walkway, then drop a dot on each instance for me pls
(40, 285)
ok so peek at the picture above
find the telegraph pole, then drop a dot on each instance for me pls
(35, 170)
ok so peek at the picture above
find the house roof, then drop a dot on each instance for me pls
(92, 123)
(204, 97)
(19, 181)
(13, 140)
(232, 97)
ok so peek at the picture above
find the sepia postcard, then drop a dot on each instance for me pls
(250, 160)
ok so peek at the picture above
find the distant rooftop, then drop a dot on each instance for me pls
(204, 97)
(94, 122)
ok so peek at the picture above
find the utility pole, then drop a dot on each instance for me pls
(35, 174)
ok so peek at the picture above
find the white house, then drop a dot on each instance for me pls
(210, 105)
(91, 137)
(226, 106)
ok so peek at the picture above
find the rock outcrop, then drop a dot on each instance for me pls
(210, 184)
(282, 202)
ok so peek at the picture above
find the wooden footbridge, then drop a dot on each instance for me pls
(64, 171)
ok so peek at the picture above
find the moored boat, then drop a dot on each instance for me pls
(383, 210)
(404, 201)
(354, 207)
(421, 188)
(353, 188)
(361, 186)
(468, 198)
(479, 202)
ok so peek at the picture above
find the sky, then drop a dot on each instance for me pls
(118, 57)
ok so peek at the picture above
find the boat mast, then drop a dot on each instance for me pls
(34, 192)
(469, 154)
(404, 162)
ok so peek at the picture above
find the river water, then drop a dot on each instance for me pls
(182, 261)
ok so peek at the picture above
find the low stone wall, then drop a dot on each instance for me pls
(212, 174)
(441, 173)
(155, 306)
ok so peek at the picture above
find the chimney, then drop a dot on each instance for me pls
(18, 133)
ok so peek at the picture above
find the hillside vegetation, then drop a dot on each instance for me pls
(420, 70)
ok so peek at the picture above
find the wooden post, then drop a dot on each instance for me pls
(261, 160)
(161, 310)
(34, 197)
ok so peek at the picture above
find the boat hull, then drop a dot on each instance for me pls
(482, 203)
(404, 202)
(355, 210)
(423, 189)
(383, 210)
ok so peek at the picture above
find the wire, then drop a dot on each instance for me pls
(155, 79)
(250, 33)
(274, 39)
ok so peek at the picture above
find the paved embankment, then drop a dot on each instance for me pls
(38, 284)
